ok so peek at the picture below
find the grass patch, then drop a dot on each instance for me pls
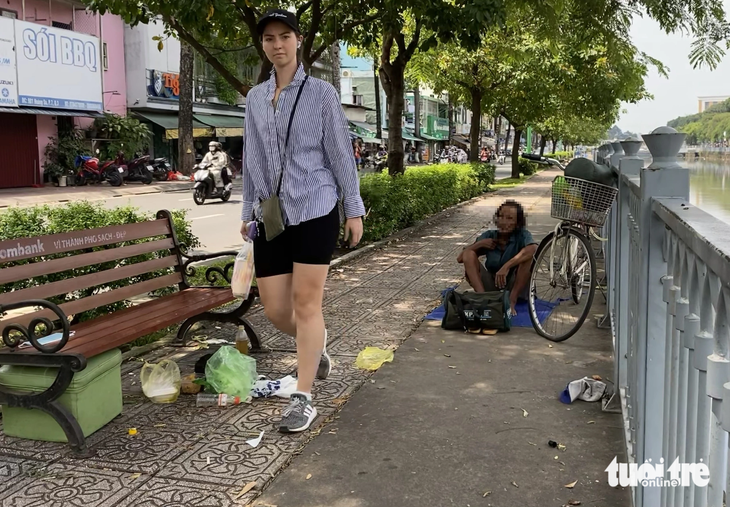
(508, 183)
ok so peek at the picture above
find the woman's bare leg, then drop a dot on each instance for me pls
(277, 299)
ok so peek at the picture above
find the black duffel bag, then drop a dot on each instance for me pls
(471, 311)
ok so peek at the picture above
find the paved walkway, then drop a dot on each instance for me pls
(182, 455)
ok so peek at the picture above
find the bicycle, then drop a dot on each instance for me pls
(565, 262)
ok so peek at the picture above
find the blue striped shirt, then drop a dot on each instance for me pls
(319, 163)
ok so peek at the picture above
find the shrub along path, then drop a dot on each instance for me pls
(195, 457)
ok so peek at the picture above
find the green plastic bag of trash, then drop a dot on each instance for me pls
(372, 358)
(230, 372)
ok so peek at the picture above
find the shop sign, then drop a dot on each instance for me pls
(164, 85)
(57, 68)
(8, 73)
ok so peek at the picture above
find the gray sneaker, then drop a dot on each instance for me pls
(298, 415)
(325, 363)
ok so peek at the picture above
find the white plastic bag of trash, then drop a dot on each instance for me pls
(586, 389)
(161, 382)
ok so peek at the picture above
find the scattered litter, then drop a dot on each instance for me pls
(132, 431)
(248, 487)
(318, 454)
(487, 493)
(254, 442)
(382, 387)
(556, 458)
(372, 358)
(552, 443)
(586, 389)
(161, 381)
(591, 422)
(309, 476)
(447, 355)
(452, 367)
(135, 476)
(532, 444)
(489, 361)
(562, 463)
(160, 425)
(514, 484)
(228, 371)
(525, 413)
(561, 447)
(207, 460)
(596, 377)
(443, 341)
(282, 388)
(217, 327)
(571, 485)
(550, 346)
(574, 502)
(414, 348)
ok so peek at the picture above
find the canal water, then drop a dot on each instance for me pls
(710, 187)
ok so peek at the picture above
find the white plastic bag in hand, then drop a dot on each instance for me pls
(243, 271)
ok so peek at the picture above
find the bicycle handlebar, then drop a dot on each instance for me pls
(542, 160)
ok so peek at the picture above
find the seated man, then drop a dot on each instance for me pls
(509, 251)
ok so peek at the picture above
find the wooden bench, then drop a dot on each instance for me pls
(114, 252)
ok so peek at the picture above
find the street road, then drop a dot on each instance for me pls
(217, 224)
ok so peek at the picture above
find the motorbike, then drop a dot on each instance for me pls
(90, 171)
(160, 169)
(136, 169)
(205, 184)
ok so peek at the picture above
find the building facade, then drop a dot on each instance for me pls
(705, 102)
(60, 66)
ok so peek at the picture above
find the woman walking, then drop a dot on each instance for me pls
(297, 164)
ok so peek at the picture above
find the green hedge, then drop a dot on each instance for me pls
(393, 203)
(42, 220)
(528, 168)
(560, 155)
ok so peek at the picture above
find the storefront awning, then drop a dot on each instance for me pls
(50, 112)
(169, 123)
(406, 136)
(430, 138)
(225, 126)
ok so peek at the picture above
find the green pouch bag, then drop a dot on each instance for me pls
(477, 310)
(272, 217)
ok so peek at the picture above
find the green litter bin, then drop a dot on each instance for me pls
(94, 398)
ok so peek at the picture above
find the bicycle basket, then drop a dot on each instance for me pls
(581, 201)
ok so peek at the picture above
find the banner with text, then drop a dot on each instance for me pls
(8, 73)
(57, 68)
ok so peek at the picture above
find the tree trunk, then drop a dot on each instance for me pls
(396, 102)
(417, 111)
(515, 154)
(506, 137)
(543, 142)
(476, 117)
(497, 128)
(378, 107)
(555, 142)
(186, 154)
(336, 65)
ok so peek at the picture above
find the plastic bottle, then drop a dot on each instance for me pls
(216, 400)
(242, 340)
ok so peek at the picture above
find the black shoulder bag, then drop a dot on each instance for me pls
(271, 213)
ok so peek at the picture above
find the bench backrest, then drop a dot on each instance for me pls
(59, 264)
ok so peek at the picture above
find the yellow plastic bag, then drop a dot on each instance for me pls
(161, 381)
(372, 358)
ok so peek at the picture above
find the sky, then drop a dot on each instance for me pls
(677, 95)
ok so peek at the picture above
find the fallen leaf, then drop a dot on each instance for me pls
(160, 425)
(135, 476)
(514, 484)
(487, 493)
(132, 431)
(571, 485)
(562, 463)
(524, 413)
(309, 476)
(596, 377)
(248, 487)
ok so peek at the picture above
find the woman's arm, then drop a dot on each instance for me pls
(338, 150)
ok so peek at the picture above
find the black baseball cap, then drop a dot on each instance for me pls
(280, 15)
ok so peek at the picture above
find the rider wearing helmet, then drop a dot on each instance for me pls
(219, 162)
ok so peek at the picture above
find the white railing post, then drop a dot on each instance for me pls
(663, 178)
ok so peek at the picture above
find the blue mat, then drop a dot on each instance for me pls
(544, 309)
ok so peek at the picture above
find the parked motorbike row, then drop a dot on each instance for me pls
(117, 171)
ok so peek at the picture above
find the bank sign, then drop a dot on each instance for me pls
(8, 74)
(57, 68)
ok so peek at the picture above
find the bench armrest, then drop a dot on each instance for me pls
(29, 333)
(212, 273)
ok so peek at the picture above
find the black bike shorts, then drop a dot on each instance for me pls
(310, 242)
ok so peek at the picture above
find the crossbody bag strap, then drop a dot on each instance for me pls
(288, 132)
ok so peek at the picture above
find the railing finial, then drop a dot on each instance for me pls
(664, 144)
(631, 147)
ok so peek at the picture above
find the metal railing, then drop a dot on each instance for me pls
(668, 268)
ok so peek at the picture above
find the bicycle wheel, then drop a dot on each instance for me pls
(561, 297)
